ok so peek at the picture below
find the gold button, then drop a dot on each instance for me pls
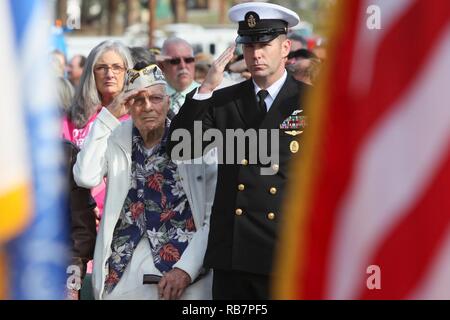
(238, 211)
(273, 190)
(275, 167)
(241, 187)
(271, 216)
(244, 162)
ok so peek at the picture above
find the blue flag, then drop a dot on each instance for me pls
(37, 254)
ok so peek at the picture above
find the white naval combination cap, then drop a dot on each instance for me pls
(261, 22)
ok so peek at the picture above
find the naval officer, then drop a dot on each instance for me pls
(246, 208)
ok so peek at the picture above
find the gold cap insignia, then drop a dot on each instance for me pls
(251, 21)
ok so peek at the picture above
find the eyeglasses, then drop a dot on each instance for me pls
(103, 69)
(139, 101)
(176, 61)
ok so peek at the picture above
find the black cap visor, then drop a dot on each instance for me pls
(260, 31)
(256, 38)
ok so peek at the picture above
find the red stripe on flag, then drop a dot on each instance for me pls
(350, 119)
(406, 254)
(401, 56)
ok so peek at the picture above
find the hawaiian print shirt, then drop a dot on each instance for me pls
(156, 207)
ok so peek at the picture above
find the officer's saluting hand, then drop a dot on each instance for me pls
(215, 74)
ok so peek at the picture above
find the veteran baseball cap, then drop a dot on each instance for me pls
(261, 22)
(143, 76)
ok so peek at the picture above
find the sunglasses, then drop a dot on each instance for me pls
(175, 61)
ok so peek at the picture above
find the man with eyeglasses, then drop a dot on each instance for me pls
(178, 67)
(155, 223)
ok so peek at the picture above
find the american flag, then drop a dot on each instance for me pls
(368, 213)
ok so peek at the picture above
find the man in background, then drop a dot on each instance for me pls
(75, 69)
(178, 66)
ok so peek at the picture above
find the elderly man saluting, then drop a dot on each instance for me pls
(156, 217)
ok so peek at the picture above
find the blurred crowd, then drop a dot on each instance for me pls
(304, 63)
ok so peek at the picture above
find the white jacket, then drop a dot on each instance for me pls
(107, 153)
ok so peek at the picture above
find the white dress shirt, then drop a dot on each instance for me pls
(273, 90)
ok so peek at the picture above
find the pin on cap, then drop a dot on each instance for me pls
(261, 22)
(142, 76)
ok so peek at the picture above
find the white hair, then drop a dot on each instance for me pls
(175, 41)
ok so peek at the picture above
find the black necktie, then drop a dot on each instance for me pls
(262, 94)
